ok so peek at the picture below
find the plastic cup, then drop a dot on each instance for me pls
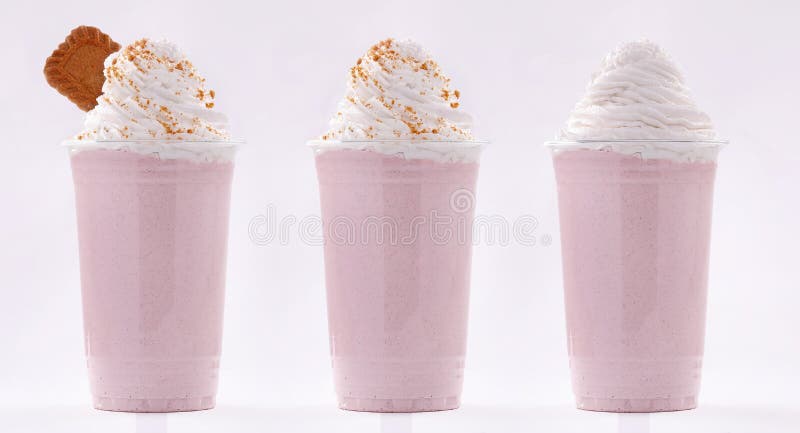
(398, 247)
(635, 230)
(152, 230)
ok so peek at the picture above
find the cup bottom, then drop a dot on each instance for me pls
(637, 405)
(154, 405)
(399, 405)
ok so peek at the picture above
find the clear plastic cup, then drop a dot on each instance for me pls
(152, 229)
(397, 218)
(635, 230)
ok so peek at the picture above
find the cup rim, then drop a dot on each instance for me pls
(179, 143)
(566, 144)
(319, 143)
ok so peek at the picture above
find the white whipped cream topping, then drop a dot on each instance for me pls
(152, 91)
(639, 94)
(397, 98)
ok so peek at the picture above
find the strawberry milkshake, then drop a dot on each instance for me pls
(397, 175)
(152, 172)
(635, 171)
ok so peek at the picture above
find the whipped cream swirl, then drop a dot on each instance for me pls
(638, 94)
(396, 91)
(152, 91)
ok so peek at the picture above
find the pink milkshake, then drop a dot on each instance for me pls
(397, 281)
(153, 240)
(635, 241)
(635, 230)
(397, 176)
(152, 172)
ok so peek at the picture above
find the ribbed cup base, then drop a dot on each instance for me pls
(399, 405)
(627, 405)
(154, 405)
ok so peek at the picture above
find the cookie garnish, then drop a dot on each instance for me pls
(75, 68)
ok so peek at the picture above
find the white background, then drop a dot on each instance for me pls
(279, 69)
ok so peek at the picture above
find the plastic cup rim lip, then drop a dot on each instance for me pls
(634, 141)
(187, 143)
(437, 142)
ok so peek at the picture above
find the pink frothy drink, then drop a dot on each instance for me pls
(635, 171)
(397, 173)
(635, 245)
(153, 240)
(397, 264)
(152, 171)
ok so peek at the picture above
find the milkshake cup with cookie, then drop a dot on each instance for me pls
(397, 175)
(152, 172)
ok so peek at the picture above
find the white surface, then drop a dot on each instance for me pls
(279, 70)
(476, 419)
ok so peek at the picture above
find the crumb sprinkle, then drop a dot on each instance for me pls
(379, 85)
(134, 70)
